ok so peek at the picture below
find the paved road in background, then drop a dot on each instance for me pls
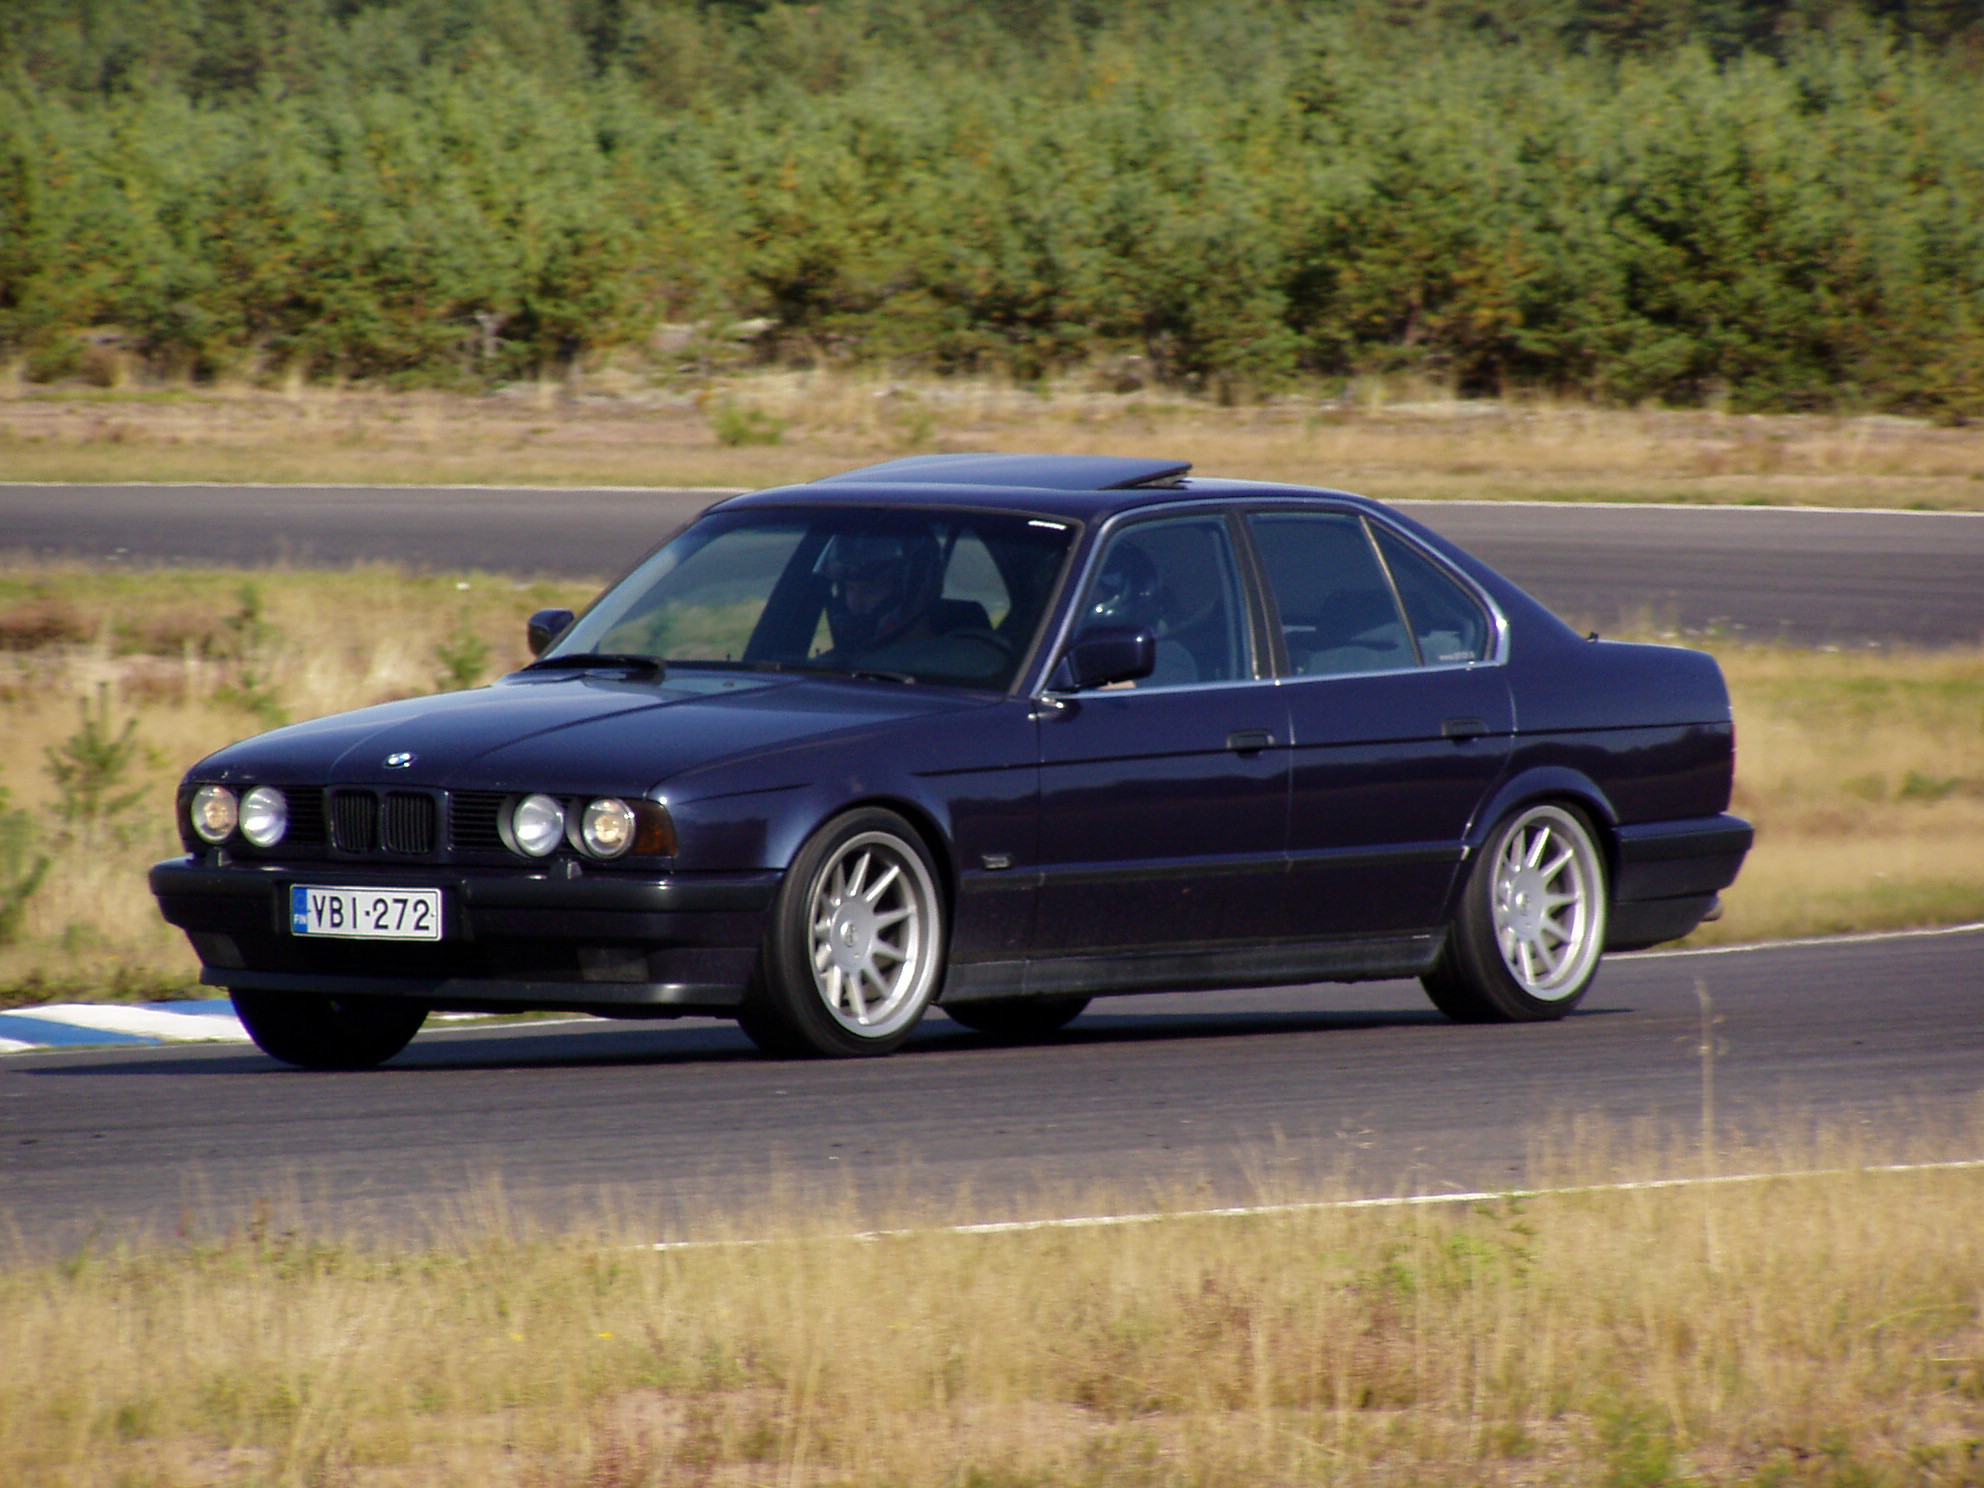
(1202, 1096)
(1812, 577)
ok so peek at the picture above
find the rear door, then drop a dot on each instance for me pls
(1399, 714)
(1164, 803)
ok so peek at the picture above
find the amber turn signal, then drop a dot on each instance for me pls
(654, 830)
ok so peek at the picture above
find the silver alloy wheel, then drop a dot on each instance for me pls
(1548, 902)
(872, 921)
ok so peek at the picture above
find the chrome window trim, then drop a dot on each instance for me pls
(1198, 688)
(1303, 678)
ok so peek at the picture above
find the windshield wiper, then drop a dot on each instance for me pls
(866, 674)
(784, 669)
(599, 661)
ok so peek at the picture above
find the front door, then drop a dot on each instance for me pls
(1163, 804)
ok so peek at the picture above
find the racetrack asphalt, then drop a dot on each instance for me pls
(1812, 577)
(1222, 1097)
(1229, 1095)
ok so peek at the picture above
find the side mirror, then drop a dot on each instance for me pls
(545, 627)
(1109, 653)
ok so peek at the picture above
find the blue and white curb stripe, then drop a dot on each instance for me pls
(73, 1025)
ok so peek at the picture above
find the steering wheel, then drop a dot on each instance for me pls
(980, 633)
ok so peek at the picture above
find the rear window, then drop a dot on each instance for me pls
(1448, 623)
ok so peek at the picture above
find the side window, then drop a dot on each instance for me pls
(1177, 578)
(1447, 621)
(1332, 598)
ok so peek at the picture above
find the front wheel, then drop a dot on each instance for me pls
(856, 946)
(318, 1031)
(1531, 926)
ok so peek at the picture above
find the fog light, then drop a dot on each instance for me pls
(608, 828)
(214, 813)
(264, 816)
(537, 825)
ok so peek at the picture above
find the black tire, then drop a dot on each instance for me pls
(318, 1031)
(1018, 1018)
(1530, 931)
(856, 945)
(773, 1037)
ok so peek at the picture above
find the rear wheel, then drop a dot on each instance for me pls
(856, 946)
(1018, 1018)
(1531, 926)
(314, 1030)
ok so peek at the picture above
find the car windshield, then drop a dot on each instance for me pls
(923, 596)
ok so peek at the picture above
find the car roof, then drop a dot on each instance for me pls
(1085, 487)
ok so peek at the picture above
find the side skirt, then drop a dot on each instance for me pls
(1119, 974)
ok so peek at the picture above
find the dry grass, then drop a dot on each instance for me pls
(1863, 771)
(1390, 441)
(1811, 1331)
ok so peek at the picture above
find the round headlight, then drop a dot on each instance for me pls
(214, 813)
(538, 825)
(264, 816)
(608, 828)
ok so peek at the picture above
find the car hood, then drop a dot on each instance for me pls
(560, 732)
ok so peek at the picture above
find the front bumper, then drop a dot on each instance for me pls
(527, 939)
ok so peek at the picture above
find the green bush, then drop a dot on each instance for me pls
(463, 656)
(22, 867)
(96, 801)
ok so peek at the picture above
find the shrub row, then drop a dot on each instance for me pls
(1239, 192)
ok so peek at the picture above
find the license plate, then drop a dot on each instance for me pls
(365, 914)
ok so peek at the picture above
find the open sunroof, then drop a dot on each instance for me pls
(1038, 472)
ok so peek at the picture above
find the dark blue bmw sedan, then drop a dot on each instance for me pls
(999, 733)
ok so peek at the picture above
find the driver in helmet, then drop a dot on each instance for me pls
(881, 588)
(1130, 593)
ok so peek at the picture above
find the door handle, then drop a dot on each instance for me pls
(1458, 729)
(1249, 741)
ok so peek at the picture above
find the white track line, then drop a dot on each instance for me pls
(1690, 506)
(1411, 1201)
(1810, 940)
(444, 1023)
